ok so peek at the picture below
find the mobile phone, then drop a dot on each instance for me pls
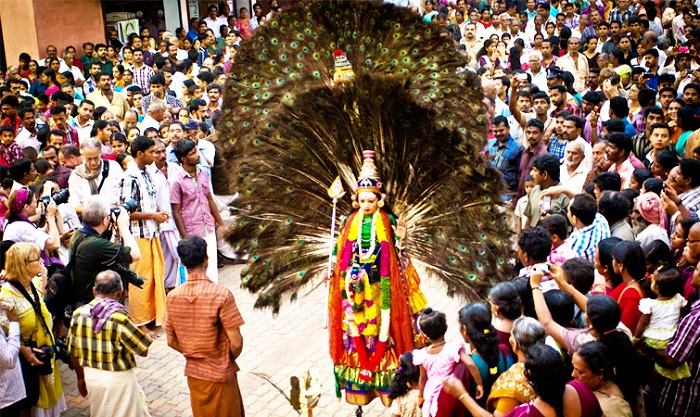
(648, 74)
(543, 267)
(521, 77)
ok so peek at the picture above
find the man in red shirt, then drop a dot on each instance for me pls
(203, 323)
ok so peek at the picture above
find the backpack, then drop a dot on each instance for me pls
(59, 295)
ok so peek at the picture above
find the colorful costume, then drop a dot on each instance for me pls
(309, 91)
(374, 294)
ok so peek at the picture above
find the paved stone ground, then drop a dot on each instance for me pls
(274, 349)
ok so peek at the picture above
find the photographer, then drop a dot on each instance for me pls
(95, 247)
(24, 204)
(25, 281)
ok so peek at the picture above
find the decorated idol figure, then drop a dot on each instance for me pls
(374, 294)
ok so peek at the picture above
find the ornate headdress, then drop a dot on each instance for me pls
(368, 180)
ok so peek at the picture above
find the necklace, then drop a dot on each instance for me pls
(364, 255)
(437, 345)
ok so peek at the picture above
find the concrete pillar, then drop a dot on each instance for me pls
(171, 10)
(31, 25)
(18, 33)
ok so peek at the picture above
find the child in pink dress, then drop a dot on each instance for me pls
(438, 360)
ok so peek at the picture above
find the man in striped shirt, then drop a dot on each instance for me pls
(203, 323)
(103, 342)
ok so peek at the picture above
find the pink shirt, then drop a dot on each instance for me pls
(562, 253)
(191, 194)
(625, 170)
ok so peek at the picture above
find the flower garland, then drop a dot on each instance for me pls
(359, 299)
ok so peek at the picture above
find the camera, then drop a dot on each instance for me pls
(45, 356)
(59, 197)
(129, 206)
(128, 275)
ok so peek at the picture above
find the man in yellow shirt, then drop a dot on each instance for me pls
(104, 96)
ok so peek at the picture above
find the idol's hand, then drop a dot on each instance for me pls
(400, 230)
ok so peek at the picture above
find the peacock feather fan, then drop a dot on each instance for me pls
(291, 132)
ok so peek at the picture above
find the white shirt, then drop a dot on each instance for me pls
(11, 385)
(575, 181)
(21, 231)
(77, 74)
(80, 188)
(147, 122)
(62, 68)
(540, 80)
(677, 27)
(519, 35)
(652, 233)
(207, 150)
(163, 192)
(215, 24)
(578, 68)
(83, 131)
(176, 83)
(26, 138)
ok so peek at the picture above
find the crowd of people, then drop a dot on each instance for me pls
(592, 111)
(113, 180)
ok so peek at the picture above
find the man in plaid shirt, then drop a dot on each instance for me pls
(148, 303)
(591, 227)
(102, 341)
(618, 15)
(142, 72)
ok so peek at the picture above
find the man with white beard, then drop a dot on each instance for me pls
(571, 131)
(573, 172)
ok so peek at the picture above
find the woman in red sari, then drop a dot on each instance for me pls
(243, 24)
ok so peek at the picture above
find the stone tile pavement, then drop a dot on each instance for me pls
(274, 349)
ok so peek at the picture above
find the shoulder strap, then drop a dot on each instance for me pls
(636, 288)
(105, 173)
(36, 305)
(74, 253)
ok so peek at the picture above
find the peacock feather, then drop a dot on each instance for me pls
(291, 132)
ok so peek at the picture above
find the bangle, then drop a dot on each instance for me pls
(537, 288)
(462, 396)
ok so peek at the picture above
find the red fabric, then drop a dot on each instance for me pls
(401, 326)
(628, 298)
(4, 162)
(14, 122)
(590, 407)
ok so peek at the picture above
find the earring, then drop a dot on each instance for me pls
(380, 203)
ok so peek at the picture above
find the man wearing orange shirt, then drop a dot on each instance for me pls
(203, 323)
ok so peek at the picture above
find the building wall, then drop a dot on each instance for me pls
(67, 22)
(18, 29)
(30, 26)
